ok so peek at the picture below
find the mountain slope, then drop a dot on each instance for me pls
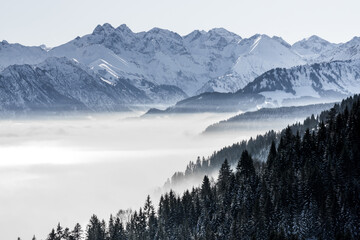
(255, 56)
(258, 146)
(101, 51)
(158, 56)
(168, 67)
(323, 82)
(266, 119)
(306, 189)
(73, 79)
(214, 102)
(59, 84)
(346, 51)
(18, 54)
(301, 85)
(24, 88)
(312, 48)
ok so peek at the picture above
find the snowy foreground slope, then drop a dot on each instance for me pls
(161, 67)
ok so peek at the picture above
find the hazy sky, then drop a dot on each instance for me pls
(58, 21)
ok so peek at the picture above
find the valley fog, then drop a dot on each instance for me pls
(66, 169)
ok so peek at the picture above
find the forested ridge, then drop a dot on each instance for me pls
(258, 147)
(265, 116)
(309, 187)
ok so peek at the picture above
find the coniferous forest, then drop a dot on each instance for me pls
(258, 147)
(308, 188)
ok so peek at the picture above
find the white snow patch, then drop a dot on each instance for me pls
(107, 81)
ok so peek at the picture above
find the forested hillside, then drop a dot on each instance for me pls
(258, 147)
(309, 187)
(266, 118)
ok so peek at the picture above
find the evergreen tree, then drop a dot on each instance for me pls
(52, 235)
(76, 233)
(95, 229)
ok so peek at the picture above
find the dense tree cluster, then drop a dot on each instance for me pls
(258, 147)
(266, 116)
(65, 234)
(309, 187)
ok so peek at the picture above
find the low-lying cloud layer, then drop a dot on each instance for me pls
(65, 169)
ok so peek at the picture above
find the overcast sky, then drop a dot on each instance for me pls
(58, 21)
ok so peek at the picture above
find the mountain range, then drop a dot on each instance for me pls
(161, 67)
(301, 85)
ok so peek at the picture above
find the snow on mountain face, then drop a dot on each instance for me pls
(256, 55)
(76, 81)
(94, 51)
(346, 51)
(282, 41)
(116, 54)
(217, 51)
(164, 65)
(17, 54)
(299, 85)
(59, 84)
(159, 56)
(26, 88)
(312, 48)
(313, 83)
(261, 53)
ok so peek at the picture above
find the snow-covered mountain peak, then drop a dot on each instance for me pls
(215, 39)
(312, 42)
(314, 38)
(255, 36)
(106, 29)
(248, 43)
(315, 82)
(161, 40)
(257, 40)
(4, 42)
(254, 56)
(354, 41)
(312, 48)
(214, 60)
(263, 44)
(160, 33)
(261, 53)
(344, 51)
(124, 28)
(282, 41)
(14, 53)
(194, 35)
(44, 47)
(222, 32)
